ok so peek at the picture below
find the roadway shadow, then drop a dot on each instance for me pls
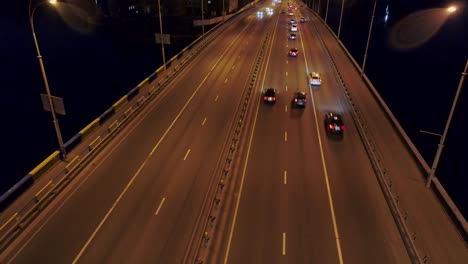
(296, 112)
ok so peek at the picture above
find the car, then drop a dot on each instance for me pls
(292, 21)
(302, 20)
(291, 13)
(282, 11)
(334, 124)
(292, 36)
(293, 52)
(294, 28)
(299, 99)
(314, 79)
(269, 96)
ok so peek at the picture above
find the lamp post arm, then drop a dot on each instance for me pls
(447, 125)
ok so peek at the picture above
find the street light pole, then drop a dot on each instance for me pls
(162, 36)
(326, 11)
(368, 38)
(341, 17)
(44, 77)
(202, 18)
(442, 139)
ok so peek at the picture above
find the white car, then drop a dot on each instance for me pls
(293, 28)
(314, 79)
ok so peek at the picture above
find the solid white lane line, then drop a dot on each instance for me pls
(152, 151)
(236, 209)
(285, 177)
(216, 99)
(108, 213)
(186, 154)
(160, 205)
(285, 136)
(286, 108)
(324, 165)
(284, 243)
(225, 81)
(203, 123)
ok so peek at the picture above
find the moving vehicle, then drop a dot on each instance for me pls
(292, 36)
(269, 96)
(334, 125)
(299, 99)
(293, 52)
(314, 79)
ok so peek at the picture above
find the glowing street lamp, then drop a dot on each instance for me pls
(31, 12)
(451, 9)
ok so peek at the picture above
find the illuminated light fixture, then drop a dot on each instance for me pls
(53, 2)
(451, 9)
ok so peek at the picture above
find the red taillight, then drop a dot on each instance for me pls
(264, 98)
(330, 126)
(295, 99)
(305, 100)
(274, 98)
(343, 128)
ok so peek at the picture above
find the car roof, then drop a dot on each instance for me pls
(314, 74)
(300, 94)
(293, 49)
(270, 91)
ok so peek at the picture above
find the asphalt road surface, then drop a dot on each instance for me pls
(305, 197)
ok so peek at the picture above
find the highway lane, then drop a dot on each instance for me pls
(301, 208)
(361, 209)
(110, 215)
(437, 237)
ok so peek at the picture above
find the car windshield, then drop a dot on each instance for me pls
(300, 96)
(270, 92)
(336, 120)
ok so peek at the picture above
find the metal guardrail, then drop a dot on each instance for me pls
(392, 198)
(375, 160)
(128, 106)
(213, 210)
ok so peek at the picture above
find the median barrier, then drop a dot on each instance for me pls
(106, 115)
(70, 144)
(89, 128)
(120, 103)
(50, 161)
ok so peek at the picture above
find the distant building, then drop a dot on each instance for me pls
(130, 8)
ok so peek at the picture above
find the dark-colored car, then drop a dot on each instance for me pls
(292, 36)
(334, 124)
(302, 19)
(293, 52)
(269, 96)
(299, 99)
